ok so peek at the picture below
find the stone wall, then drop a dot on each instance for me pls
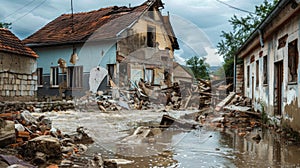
(36, 106)
(17, 77)
(17, 86)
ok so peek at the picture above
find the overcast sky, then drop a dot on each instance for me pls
(197, 23)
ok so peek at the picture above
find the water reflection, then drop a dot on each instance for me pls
(205, 147)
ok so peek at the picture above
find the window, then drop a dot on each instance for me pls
(39, 73)
(248, 76)
(54, 76)
(151, 37)
(149, 75)
(293, 61)
(265, 70)
(282, 41)
(75, 75)
(257, 73)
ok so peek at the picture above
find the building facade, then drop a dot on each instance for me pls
(271, 66)
(113, 46)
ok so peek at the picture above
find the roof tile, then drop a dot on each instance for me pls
(10, 43)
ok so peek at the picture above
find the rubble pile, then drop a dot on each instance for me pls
(36, 106)
(36, 141)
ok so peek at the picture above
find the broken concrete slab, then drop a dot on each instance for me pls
(168, 121)
(7, 132)
(45, 144)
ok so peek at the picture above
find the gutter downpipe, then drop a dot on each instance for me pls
(268, 19)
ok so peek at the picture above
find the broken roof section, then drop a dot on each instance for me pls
(12, 44)
(103, 24)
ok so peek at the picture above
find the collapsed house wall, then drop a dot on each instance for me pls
(271, 72)
(18, 80)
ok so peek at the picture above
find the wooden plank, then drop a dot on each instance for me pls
(225, 101)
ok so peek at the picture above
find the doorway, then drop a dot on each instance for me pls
(278, 88)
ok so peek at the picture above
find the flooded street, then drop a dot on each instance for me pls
(202, 147)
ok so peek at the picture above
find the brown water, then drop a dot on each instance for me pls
(203, 147)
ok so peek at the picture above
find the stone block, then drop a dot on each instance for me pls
(34, 77)
(18, 93)
(24, 77)
(16, 87)
(6, 92)
(12, 93)
(5, 75)
(18, 81)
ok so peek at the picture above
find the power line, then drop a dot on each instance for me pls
(29, 11)
(18, 10)
(233, 7)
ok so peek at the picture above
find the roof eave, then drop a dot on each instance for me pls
(263, 24)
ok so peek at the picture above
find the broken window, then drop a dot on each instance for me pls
(149, 75)
(292, 61)
(54, 76)
(248, 76)
(151, 36)
(39, 73)
(75, 75)
(257, 73)
(282, 41)
(265, 70)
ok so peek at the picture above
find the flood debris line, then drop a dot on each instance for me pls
(35, 141)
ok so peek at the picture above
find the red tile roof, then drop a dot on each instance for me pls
(111, 20)
(12, 44)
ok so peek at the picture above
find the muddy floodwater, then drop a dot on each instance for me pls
(202, 147)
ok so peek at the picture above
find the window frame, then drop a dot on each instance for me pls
(265, 70)
(39, 74)
(293, 60)
(54, 76)
(75, 77)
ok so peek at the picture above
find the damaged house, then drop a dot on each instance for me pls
(18, 80)
(96, 50)
(269, 73)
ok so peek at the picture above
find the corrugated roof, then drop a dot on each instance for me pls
(12, 44)
(111, 20)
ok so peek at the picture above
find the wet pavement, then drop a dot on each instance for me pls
(202, 147)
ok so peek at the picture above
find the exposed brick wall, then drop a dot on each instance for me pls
(240, 79)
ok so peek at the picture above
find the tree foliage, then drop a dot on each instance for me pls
(199, 67)
(5, 25)
(241, 29)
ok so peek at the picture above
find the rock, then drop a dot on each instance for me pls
(3, 164)
(82, 148)
(14, 162)
(45, 144)
(66, 163)
(19, 127)
(7, 133)
(27, 117)
(117, 161)
(96, 162)
(40, 158)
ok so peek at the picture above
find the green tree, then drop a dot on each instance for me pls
(241, 30)
(5, 25)
(199, 67)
